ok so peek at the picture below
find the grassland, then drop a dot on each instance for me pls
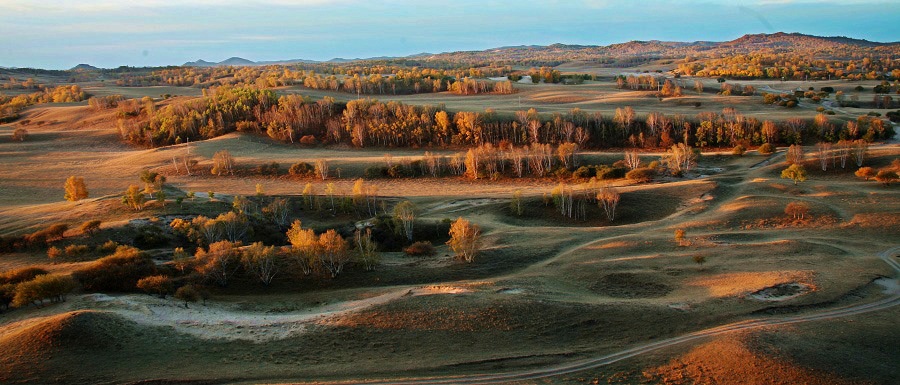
(545, 291)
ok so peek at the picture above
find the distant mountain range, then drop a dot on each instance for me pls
(797, 43)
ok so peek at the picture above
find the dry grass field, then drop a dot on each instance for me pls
(544, 292)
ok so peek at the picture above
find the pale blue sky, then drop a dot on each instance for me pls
(59, 34)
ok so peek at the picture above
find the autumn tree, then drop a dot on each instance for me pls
(794, 154)
(333, 252)
(865, 172)
(223, 163)
(567, 152)
(796, 173)
(797, 210)
(405, 212)
(187, 293)
(219, 262)
(465, 239)
(304, 247)
(160, 285)
(75, 189)
(679, 237)
(134, 198)
(261, 261)
(680, 158)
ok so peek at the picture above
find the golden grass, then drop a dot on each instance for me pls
(734, 284)
(730, 360)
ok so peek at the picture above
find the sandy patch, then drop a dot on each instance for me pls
(741, 284)
(782, 292)
(222, 321)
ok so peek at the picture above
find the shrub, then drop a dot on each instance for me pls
(766, 149)
(53, 286)
(886, 177)
(160, 285)
(584, 172)
(606, 172)
(118, 272)
(21, 275)
(419, 249)
(738, 150)
(90, 227)
(7, 294)
(107, 247)
(641, 175)
(373, 172)
(54, 252)
(76, 251)
(271, 169)
(302, 169)
(308, 140)
(396, 171)
(53, 233)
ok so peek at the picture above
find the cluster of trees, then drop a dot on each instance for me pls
(10, 106)
(26, 286)
(367, 122)
(790, 66)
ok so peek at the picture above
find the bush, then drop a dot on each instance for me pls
(160, 285)
(107, 247)
(607, 173)
(766, 149)
(90, 227)
(54, 252)
(53, 233)
(584, 172)
(373, 172)
(7, 294)
(396, 171)
(886, 177)
(641, 175)
(302, 169)
(53, 286)
(308, 140)
(77, 251)
(271, 169)
(21, 275)
(118, 272)
(419, 249)
(738, 150)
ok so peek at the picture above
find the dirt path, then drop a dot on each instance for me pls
(492, 378)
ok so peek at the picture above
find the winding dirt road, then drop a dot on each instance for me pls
(492, 378)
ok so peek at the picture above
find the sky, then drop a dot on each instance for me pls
(59, 34)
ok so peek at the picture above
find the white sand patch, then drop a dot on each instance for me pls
(223, 321)
(890, 285)
(780, 292)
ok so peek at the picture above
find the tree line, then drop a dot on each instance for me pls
(369, 122)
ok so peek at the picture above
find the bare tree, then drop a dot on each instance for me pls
(608, 199)
(680, 158)
(632, 160)
(823, 152)
(366, 252)
(405, 212)
(794, 154)
(859, 151)
(322, 168)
